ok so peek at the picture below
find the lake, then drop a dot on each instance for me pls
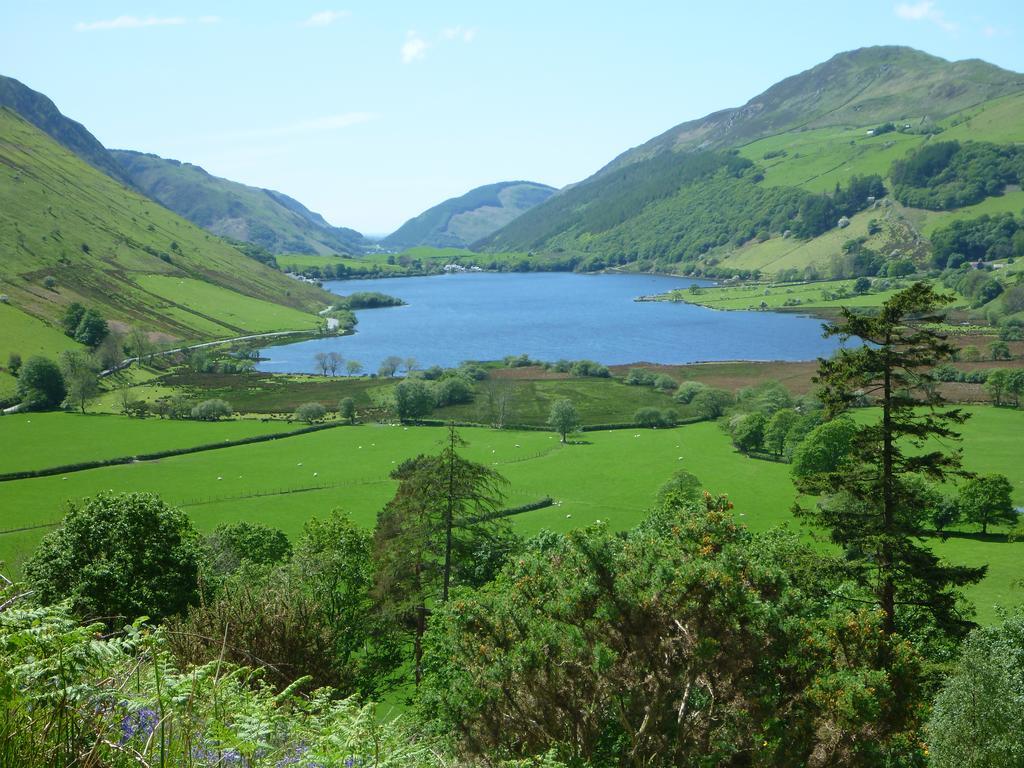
(551, 316)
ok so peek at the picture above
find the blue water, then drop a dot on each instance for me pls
(551, 316)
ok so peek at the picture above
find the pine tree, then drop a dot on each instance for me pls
(873, 506)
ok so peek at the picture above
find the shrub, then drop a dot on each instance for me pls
(711, 403)
(50, 282)
(639, 377)
(211, 410)
(653, 418)
(118, 555)
(688, 390)
(347, 410)
(453, 390)
(589, 368)
(664, 382)
(14, 363)
(310, 412)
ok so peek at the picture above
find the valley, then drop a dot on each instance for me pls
(712, 457)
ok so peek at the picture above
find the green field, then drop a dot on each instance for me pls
(809, 296)
(233, 311)
(27, 335)
(610, 476)
(55, 439)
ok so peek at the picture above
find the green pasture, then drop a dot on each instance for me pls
(40, 440)
(810, 296)
(231, 309)
(610, 476)
(1011, 202)
(372, 262)
(529, 401)
(999, 120)
(817, 160)
(27, 335)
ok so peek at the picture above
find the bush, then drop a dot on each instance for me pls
(664, 382)
(211, 410)
(688, 390)
(13, 363)
(453, 390)
(639, 377)
(50, 282)
(711, 403)
(117, 557)
(310, 412)
(654, 418)
(589, 368)
(347, 410)
(414, 399)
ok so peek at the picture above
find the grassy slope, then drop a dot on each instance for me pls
(611, 476)
(53, 207)
(28, 335)
(230, 209)
(810, 295)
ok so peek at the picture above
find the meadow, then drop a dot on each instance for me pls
(799, 295)
(41, 440)
(606, 476)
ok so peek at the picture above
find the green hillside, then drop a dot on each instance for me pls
(267, 218)
(459, 221)
(732, 193)
(44, 115)
(71, 233)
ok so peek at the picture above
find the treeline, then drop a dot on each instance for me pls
(985, 238)
(947, 174)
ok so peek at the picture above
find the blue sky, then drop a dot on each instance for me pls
(371, 112)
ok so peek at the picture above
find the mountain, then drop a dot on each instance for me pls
(44, 115)
(71, 233)
(732, 191)
(463, 220)
(264, 217)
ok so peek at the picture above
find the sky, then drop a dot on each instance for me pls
(371, 112)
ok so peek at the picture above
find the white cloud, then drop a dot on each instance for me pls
(130, 22)
(465, 34)
(924, 10)
(414, 47)
(324, 18)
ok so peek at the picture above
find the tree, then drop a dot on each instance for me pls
(117, 557)
(410, 364)
(109, 352)
(347, 409)
(564, 418)
(687, 641)
(444, 506)
(996, 383)
(862, 285)
(748, 433)
(310, 412)
(334, 361)
(777, 428)
(453, 390)
(987, 499)
(872, 507)
(322, 362)
(687, 391)
(998, 350)
(13, 363)
(975, 720)
(213, 409)
(710, 403)
(229, 545)
(353, 367)
(414, 399)
(72, 317)
(1015, 385)
(40, 383)
(389, 365)
(79, 373)
(824, 448)
(138, 343)
(92, 328)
